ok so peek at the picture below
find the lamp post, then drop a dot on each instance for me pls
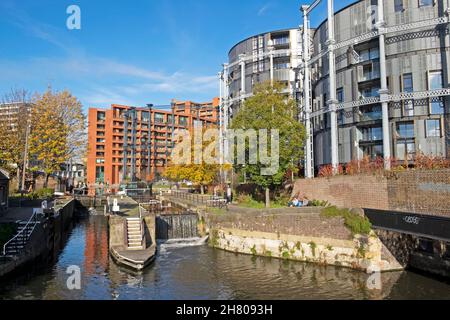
(149, 145)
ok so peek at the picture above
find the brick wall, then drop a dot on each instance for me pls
(426, 192)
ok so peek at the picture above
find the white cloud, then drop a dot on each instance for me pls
(263, 9)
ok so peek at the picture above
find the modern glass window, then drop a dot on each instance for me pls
(145, 116)
(372, 133)
(407, 83)
(398, 5)
(426, 3)
(279, 66)
(433, 128)
(406, 149)
(100, 174)
(370, 113)
(437, 107)
(373, 151)
(182, 121)
(369, 92)
(405, 130)
(101, 116)
(281, 40)
(340, 95)
(159, 118)
(408, 108)
(435, 80)
(369, 54)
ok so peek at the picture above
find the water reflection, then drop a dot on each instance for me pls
(195, 271)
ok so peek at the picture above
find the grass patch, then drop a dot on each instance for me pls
(354, 222)
(247, 201)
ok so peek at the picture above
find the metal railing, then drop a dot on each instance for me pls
(207, 200)
(25, 235)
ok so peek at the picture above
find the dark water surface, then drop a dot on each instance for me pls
(183, 271)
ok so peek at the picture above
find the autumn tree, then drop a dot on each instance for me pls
(270, 109)
(195, 167)
(13, 130)
(58, 126)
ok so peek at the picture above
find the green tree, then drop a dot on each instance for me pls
(270, 109)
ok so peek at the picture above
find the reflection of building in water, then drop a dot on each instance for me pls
(96, 248)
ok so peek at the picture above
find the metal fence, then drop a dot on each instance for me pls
(206, 200)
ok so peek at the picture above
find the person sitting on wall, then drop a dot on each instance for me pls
(294, 203)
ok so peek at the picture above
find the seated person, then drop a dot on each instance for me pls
(294, 203)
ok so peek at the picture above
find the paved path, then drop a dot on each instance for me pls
(128, 207)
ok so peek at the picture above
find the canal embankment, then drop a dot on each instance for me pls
(409, 210)
(48, 231)
(299, 234)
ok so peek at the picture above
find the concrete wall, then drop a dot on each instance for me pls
(116, 232)
(426, 192)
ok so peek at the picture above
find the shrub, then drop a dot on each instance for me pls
(318, 203)
(327, 171)
(355, 223)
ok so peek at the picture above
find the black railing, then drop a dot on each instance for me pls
(207, 200)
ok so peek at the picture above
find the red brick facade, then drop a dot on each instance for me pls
(106, 138)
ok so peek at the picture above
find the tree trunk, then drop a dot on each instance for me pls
(46, 180)
(202, 189)
(267, 198)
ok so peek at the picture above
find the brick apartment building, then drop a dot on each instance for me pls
(107, 128)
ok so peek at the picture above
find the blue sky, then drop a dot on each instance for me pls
(132, 52)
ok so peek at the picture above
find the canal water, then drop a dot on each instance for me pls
(192, 270)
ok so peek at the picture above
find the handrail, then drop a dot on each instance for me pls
(25, 228)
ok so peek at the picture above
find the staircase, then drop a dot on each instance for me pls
(134, 234)
(17, 244)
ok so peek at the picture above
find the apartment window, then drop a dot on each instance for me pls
(369, 54)
(369, 92)
(405, 130)
(426, 3)
(373, 151)
(435, 80)
(101, 116)
(182, 121)
(340, 95)
(407, 83)
(372, 134)
(100, 161)
(159, 118)
(279, 66)
(370, 113)
(433, 127)
(408, 108)
(145, 116)
(100, 174)
(436, 106)
(406, 149)
(100, 140)
(398, 5)
(340, 117)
